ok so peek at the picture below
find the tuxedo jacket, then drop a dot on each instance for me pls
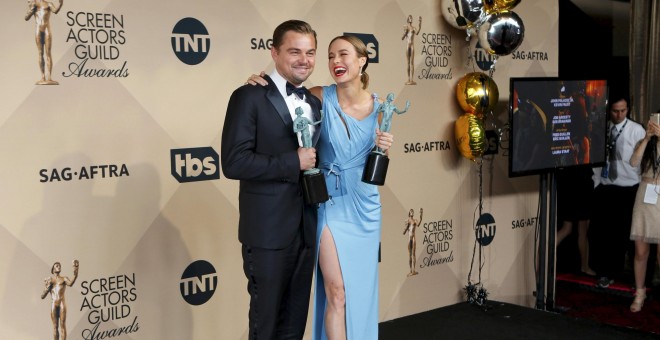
(259, 148)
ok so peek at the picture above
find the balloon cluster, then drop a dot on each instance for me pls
(477, 94)
(499, 29)
(500, 32)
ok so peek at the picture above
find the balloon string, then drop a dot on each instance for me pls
(493, 124)
(474, 252)
(481, 205)
(481, 264)
(480, 208)
(481, 192)
(492, 67)
(470, 59)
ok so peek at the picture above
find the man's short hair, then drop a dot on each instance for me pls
(298, 26)
(617, 97)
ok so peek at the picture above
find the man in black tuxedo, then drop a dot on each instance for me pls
(276, 228)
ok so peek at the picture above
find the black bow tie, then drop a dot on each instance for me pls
(299, 91)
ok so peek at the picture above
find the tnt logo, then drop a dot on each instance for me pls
(190, 41)
(485, 230)
(483, 59)
(492, 143)
(195, 164)
(372, 45)
(198, 282)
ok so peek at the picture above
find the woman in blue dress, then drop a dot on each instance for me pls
(348, 233)
(346, 294)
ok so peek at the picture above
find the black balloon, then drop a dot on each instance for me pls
(501, 33)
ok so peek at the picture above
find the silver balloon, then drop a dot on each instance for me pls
(462, 14)
(501, 33)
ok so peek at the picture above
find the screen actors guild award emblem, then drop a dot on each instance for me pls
(41, 10)
(376, 167)
(56, 286)
(314, 189)
(410, 225)
(409, 33)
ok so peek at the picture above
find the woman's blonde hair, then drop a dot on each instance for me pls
(361, 50)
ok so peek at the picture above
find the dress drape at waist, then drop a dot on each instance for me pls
(336, 169)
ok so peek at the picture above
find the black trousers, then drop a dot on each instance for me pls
(279, 283)
(610, 228)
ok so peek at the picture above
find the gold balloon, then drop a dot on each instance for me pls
(470, 136)
(477, 93)
(492, 6)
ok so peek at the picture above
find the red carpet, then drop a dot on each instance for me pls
(578, 296)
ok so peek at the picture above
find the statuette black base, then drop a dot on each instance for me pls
(375, 169)
(314, 189)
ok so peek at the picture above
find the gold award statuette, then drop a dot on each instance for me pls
(409, 228)
(41, 10)
(409, 33)
(56, 286)
(375, 169)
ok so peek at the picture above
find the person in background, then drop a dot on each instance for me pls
(614, 194)
(646, 212)
(574, 189)
(575, 186)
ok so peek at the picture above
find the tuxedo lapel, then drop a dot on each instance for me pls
(278, 102)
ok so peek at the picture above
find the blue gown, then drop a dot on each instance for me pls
(352, 215)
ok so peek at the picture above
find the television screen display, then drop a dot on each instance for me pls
(556, 123)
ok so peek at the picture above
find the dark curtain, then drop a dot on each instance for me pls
(644, 58)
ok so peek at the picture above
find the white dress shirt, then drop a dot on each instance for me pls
(292, 102)
(627, 175)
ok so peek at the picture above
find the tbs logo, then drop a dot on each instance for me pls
(370, 41)
(195, 164)
(492, 142)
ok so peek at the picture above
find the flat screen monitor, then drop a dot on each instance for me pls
(556, 123)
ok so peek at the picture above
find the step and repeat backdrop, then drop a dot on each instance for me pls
(111, 113)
